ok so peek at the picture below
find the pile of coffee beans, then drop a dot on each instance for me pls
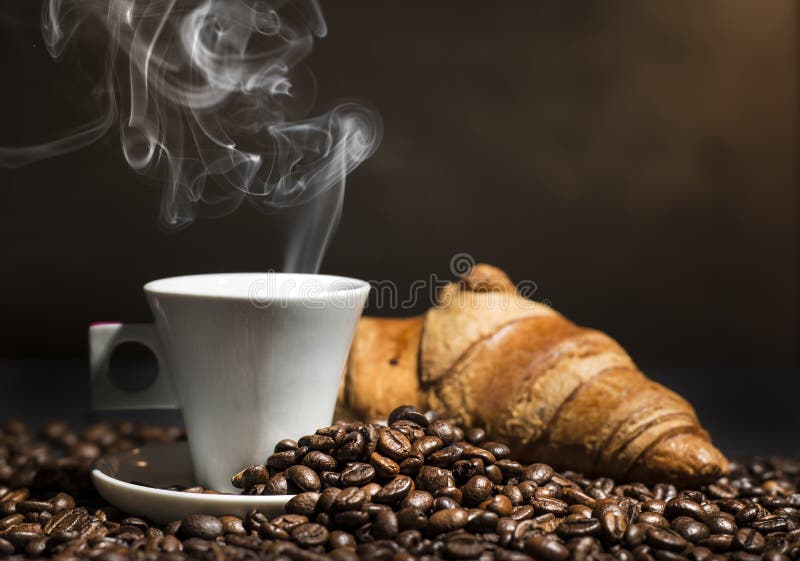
(423, 487)
(420, 488)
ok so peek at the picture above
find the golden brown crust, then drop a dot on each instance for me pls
(382, 367)
(558, 393)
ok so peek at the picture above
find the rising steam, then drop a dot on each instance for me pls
(211, 96)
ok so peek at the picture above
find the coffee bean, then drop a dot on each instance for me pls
(426, 445)
(304, 477)
(394, 491)
(411, 518)
(357, 474)
(447, 520)
(613, 521)
(319, 461)
(386, 525)
(767, 524)
(201, 526)
(681, 506)
(285, 444)
(578, 527)
(652, 519)
(304, 503)
(749, 540)
(310, 534)
(282, 460)
(232, 525)
(276, 485)
(350, 498)
(722, 523)
(476, 490)
(408, 413)
(394, 444)
(717, 542)
(665, 539)
(462, 546)
(442, 430)
(546, 548)
(421, 500)
(317, 442)
(499, 504)
(352, 447)
(385, 468)
(556, 507)
(538, 473)
(432, 478)
(690, 529)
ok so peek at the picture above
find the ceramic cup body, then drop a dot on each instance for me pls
(248, 358)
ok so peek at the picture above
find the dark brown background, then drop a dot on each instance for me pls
(637, 160)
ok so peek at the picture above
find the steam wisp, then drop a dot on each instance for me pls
(212, 98)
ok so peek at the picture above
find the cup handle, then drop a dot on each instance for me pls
(103, 339)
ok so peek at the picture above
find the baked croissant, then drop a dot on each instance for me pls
(558, 393)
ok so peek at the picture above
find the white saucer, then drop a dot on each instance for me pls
(162, 465)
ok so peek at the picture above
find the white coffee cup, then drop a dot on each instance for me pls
(249, 358)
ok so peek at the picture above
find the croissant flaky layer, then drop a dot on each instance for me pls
(559, 393)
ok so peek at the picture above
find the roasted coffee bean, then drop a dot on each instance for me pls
(408, 413)
(232, 525)
(767, 524)
(394, 491)
(476, 490)
(304, 503)
(681, 506)
(443, 430)
(578, 527)
(394, 444)
(426, 445)
(462, 546)
(201, 526)
(304, 478)
(722, 523)
(319, 461)
(690, 529)
(665, 539)
(248, 477)
(309, 534)
(654, 505)
(538, 473)
(432, 479)
(493, 473)
(352, 447)
(499, 450)
(653, 519)
(282, 460)
(350, 498)
(749, 540)
(553, 506)
(357, 474)
(748, 514)
(442, 503)
(385, 468)
(317, 442)
(717, 543)
(613, 520)
(463, 470)
(421, 500)
(447, 520)
(546, 548)
(276, 485)
(411, 465)
(386, 526)
(411, 518)
(285, 444)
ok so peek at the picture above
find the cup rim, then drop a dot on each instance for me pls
(349, 286)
